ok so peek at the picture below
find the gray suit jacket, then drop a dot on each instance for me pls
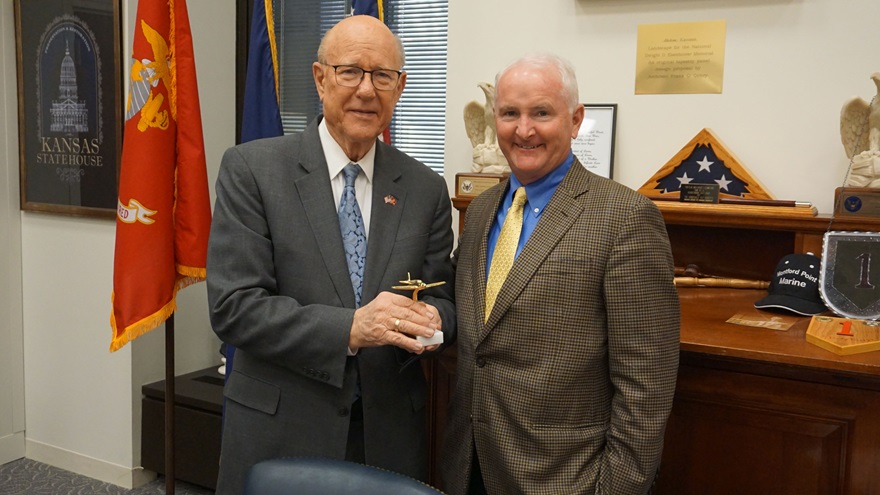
(568, 385)
(280, 292)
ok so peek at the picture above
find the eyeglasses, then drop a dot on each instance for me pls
(351, 76)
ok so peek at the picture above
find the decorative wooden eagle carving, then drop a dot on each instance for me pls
(860, 123)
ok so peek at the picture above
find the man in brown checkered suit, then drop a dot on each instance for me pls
(566, 379)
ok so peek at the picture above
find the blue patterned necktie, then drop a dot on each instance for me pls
(354, 237)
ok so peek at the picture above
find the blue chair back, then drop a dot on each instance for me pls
(307, 476)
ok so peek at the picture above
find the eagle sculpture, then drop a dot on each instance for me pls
(860, 134)
(479, 122)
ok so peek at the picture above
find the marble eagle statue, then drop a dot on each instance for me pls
(860, 135)
(860, 123)
(479, 122)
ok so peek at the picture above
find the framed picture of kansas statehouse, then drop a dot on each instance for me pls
(69, 105)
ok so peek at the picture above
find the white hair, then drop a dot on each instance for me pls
(566, 73)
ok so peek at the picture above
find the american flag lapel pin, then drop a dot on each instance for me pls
(390, 200)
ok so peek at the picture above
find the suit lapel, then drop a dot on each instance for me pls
(316, 195)
(559, 215)
(384, 220)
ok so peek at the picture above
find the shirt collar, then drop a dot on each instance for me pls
(336, 158)
(540, 191)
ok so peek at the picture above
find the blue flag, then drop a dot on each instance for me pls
(368, 7)
(261, 116)
(703, 166)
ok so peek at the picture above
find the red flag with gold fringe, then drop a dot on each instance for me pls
(164, 211)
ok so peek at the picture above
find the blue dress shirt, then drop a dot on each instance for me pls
(538, 194)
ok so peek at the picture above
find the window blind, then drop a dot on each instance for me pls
(418, 126)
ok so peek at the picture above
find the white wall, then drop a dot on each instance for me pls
(82, 403)
(789, 67)
(11, 356)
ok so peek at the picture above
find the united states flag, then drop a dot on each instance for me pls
(703, 166)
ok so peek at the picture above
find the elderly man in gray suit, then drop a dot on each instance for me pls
(568, 318)
(309, 232)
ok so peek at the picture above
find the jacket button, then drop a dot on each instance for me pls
(481, 362)
(343, 411)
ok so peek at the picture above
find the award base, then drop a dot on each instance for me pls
(857, 201)
(472, 185)
(844, 336)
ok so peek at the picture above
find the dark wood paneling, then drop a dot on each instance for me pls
(730, 252)
(441, 382)
(783, 437)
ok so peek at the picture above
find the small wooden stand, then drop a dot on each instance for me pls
(844, 336)
(857, 201)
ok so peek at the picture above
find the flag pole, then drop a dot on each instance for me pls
(169, 405)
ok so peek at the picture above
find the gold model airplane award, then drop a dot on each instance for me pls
(416, 285)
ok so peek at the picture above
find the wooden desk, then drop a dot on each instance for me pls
(764, 411)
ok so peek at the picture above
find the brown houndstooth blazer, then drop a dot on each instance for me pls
(567, 388)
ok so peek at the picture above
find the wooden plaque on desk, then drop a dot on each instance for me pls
(857, 201)
(471, 185)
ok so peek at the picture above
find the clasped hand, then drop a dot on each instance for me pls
(392, 319)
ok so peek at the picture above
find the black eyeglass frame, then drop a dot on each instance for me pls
(365, 71)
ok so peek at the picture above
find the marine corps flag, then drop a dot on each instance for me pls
(164, 212)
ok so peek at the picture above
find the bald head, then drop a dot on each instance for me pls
(353, 30)
(355, 110)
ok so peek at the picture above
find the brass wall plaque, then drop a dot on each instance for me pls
(680, 58)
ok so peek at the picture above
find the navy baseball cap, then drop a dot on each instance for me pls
(795, 286)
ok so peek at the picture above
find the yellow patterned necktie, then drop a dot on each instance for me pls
(505, 249)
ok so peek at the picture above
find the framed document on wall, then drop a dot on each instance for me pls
(69, 105)
(594, 145)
